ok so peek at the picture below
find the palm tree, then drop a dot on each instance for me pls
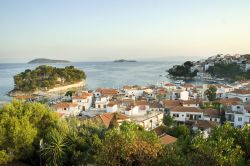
(53, 152)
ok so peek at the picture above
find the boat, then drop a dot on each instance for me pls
(179, 82)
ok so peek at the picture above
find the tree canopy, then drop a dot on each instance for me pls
(183, 70)
(47, 77)
(32, 133)
(230, 71)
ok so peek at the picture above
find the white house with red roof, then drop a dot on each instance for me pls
(66, 108)
(242, 94)
(112, 106)
(183, 114)
(169, 86)
(83, 100)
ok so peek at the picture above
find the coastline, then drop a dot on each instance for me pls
(58, 89)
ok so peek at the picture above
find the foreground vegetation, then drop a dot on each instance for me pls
(183, 70)
(31, 133)
(47, 77)
(230, 71)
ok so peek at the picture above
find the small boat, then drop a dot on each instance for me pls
(179, 82)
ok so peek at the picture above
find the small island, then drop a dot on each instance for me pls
(44, 60)
(47, 78)
(183, 71)
(124, 60)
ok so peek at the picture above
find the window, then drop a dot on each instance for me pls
(187, 115)
(64, 108)
(176, 115)
(239, 119)
(199, 116)
(238, 107)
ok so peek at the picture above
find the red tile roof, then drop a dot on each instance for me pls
(65, 105)
(186, 109)
(172, 103)
(241, 91)
(211, 112)
(229, 102)
(169, 84)
(107, 117)
(167, 139)
(107, 92)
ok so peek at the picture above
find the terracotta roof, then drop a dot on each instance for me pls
(155, 104)
(204, 124)
(211, 112)
(229, 102)
(194, 101)
(159, 131)
(112, 103)
(188, 86)
(167, 139)
(80, 97)
(185, 109)
(172, 103)
(65, 105)
(241, 91)
(107, 92)
(107, 117)
(141, 102)
(169, 84)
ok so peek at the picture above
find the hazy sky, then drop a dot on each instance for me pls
(111, 29)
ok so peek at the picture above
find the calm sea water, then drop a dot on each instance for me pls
(99, 74)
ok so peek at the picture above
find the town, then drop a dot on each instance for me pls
(146, 106)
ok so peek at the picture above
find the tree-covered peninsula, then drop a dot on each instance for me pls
(45, 77)
(231, 71)
(183, 70)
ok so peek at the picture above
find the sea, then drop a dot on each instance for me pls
(99, 74)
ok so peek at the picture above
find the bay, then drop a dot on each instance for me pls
(99, 74)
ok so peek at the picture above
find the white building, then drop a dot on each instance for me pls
(179, 94)
(84, 101)
(112, 107)
(191, 103)
(222, 90)
(169, 86)
(183, 114)
(101, 102)
(237, 112)
(67, 108)
(210, 114)
(133, 91)
(132, 110)
(242, 94)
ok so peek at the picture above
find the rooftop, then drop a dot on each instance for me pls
(186, 109)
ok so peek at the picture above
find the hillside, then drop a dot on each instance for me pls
(44, 60)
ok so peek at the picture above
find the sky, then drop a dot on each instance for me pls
(103, 30)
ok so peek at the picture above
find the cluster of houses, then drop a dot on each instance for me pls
(242, 60)
(146, 106)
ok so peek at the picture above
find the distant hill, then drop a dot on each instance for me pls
(44, 60)
(124, 60)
